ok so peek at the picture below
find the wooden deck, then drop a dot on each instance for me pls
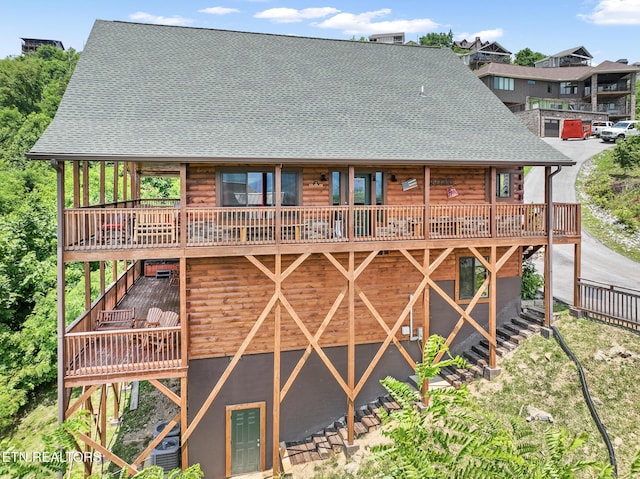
(85, 229)
(148, 292)
(117, 354)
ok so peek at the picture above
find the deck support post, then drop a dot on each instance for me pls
(351, 354)
(493, 286)
(275, 443)
(426, 318)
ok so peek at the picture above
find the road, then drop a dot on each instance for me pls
(598, 262)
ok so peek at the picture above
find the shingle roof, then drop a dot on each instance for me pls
(163, 92)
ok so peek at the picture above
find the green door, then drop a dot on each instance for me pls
(245, 441)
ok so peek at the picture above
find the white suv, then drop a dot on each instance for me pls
(620, 130)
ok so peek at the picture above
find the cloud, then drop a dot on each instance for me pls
(365, 23)
(159, 20)
(614, 12)
(485, 35)
(292, 15)
(219, 10)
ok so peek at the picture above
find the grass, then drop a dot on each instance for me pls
(610, 204)
(539, 374)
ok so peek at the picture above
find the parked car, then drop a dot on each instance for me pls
(620, 130)
(598, 125)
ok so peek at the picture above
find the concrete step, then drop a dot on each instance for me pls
(525, 324)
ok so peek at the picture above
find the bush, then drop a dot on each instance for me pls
(531, 280)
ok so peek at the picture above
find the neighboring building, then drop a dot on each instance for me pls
(542, 97)
(482, 53)
(393, 38)
(338, 203)
(30, 45)
(574, 57)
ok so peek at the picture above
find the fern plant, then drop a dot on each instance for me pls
(449, 437)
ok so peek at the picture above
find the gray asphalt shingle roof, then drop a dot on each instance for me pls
(162, 92)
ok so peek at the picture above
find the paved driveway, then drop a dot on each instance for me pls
(598, 262)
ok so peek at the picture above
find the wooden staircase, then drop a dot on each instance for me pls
(333, 438)
(508, 337)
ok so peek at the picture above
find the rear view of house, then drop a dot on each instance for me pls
(339, 201)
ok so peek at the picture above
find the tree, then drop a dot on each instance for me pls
(437, 39)
(527, 58)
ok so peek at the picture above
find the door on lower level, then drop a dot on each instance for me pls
(245, 438)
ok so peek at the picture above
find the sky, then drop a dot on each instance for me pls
(608, 29)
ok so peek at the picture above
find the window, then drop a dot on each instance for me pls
(503, 185)
(568, 88)
(531, 82)
(471, 275)
(255, 188)
(502, 83)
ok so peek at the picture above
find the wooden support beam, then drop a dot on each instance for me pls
(577, 271)
(392, 333)
(351, 341)
(327, 319)
(229, 369)
(275, 443)
(107, 453)
(426, 308)
(86, 394)
(316, 346)
(184, 446)
(493, 297)
(166, 391)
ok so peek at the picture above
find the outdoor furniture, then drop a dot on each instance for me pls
(115, 318)
(153, 317)
(112, 229)
(155, 227)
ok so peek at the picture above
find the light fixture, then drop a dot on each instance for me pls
(323, 177)
(394, 178)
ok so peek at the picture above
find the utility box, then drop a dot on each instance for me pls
(575, 129)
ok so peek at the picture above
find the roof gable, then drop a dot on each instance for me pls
(149, 91)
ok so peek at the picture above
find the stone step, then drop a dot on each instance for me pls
(533, 316)
(525, 324)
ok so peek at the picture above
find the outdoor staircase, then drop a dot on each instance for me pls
(508, 337)
(333, 438)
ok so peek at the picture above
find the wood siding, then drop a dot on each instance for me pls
(225, 296)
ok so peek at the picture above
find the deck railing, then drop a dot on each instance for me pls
(117, 352)
(152, 227)
(609, 303)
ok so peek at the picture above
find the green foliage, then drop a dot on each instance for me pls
(437, 39)
(527, 58)
(531, 280)
(626, 154)
(156, 472)
(450, 437)
(614, 184)
(30, 90)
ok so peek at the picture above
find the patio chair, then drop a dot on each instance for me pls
(153, 317)
(167, 319)
(113, 228)
(115, 318)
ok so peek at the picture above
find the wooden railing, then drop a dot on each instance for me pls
(145, 227)
(111, 297)
(609, 303)
(115, 352)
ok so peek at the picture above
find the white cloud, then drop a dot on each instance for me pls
(292, 15)
(159, 20)
(614, 12)
(364, 23)
(219, 10)
(485, 35)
